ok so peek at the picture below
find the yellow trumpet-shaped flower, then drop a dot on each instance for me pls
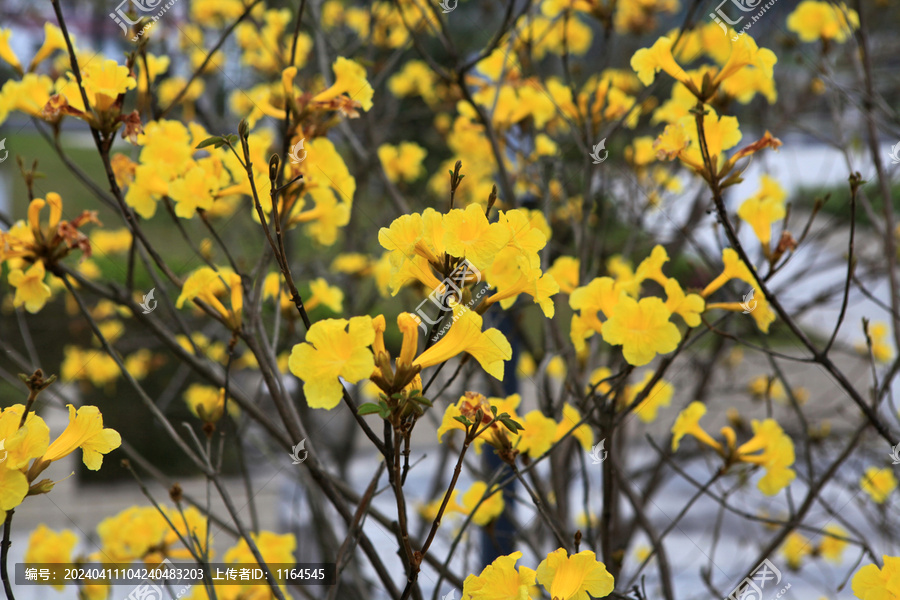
(647, 62)
(48, 546)
(53, 41)
(31, 291)
(574, 577)
(205, 284)
(21, 444)
(333, 350)
(831, 548)
(104, 81)
(491, 507)
(764, 208)
(85, 430)
(402, 162)
(350, 79)
(324, 294)
(878, 483)
(13, 489)
(659, 396)
(687, 306)
(795, 548)
(409, 327)
(565, 271)
(6, 53)
(570, 419)
(490, 348)
(500, 581)
(600, 295)
(870, 582)
(467, 234)
(688, 423)
(814, 20)
(538, 435)
(643, 329)
(745, 53)
(776, 456)
(208, 403)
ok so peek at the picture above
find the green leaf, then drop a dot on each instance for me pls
(369, 408)
(422, 400)
(463, 420)
(511, 425)
(216, 139)
(232, 139)
(494, 410)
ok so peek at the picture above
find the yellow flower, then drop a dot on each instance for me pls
(467, 234)
(331, 351)
(721, 134)
(776, 455)
(831, 548)
(688, 306)
(764, 208)
(6, 53)
(193, 191)
(85, 430)
(131, 534)
(688, 423)
(600, 295)
(274, 549)
(53, 41)
(647, 62)
(878, 483)
(659, 396)
(734, 268)
(574, 577)
(402, 162)
(321, 293)
(872, 583)
(744, 53)
(414, 78)
(21, 444)
(642, 329)
(565, 271)
(31, 291)
(570, 418)
(500, 581)
(813, 20)
(350, 79)
(538, 435)
(208, 403)
(881, 346)
(48, 546)
(104, 81)
(205, 284)
(490, 509)
(795, 547)
(490, 348)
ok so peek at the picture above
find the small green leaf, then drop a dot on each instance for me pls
(463, 420)
(369, 408)
(216, 139)
(232, 139)
(512, 425)
(494, 410)
(422, 400)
